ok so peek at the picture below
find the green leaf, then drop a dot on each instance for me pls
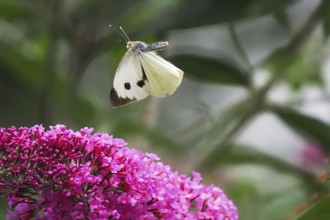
(14, 10)
(22, 67)
(209, 70)
(326, 20)
(319, 211)
(280, 14)
(306, 125)
(243, 154)
(89, 115)
(200, 13)
(301, 67)
(127, 127)
(277, 58)
(3, 207)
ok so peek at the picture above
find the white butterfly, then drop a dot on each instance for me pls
(142, 72)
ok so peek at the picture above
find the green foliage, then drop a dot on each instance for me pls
(326, 20)
(216, 72)
(301, 68)
(3, 205)
(14, 10)
(309, 126)
(28, 71)
(197, 13)
(319, 210)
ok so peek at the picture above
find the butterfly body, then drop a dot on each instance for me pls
(142, 72)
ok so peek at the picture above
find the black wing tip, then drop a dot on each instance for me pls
(117, 101)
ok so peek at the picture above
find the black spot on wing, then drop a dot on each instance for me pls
(127, 86)
(140, 83)
(117, 101)
(144, 76)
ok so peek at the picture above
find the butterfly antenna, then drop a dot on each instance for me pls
(122, 30)
(121, 33)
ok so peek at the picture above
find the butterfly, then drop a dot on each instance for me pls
(142, 72)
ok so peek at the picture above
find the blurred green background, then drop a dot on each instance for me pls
(252, 114)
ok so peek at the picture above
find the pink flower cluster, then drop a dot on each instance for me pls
(63, 174)
(312, 155)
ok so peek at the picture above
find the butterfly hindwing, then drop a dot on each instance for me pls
(130, 83)
(163, 77)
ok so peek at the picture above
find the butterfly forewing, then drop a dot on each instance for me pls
(164, 78)
(129, 84)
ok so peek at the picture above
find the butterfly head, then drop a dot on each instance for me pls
(136, 45)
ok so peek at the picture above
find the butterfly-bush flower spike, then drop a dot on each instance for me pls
(63, 174)
(311, 156)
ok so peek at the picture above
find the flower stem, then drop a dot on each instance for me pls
(241, 51)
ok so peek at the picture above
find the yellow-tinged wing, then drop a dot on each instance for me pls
(163, 77)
